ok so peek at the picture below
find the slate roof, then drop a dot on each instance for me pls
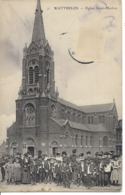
(97, 108)
(88, 108)
(80, 126)
(69, 104)
(12, 128)
(97, 128)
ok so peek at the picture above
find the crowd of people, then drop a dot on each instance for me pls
(104, 169)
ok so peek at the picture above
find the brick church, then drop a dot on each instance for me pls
(46, 122)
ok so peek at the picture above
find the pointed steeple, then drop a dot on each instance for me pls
(38, 29)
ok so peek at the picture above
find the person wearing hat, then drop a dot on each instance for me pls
(48, 171)
(75, 171)
(96, 159)
(26, 169)
(101, 164)
(107, 170)
(33, 171)
(9, 167)
(115, 172)
(81, 172)
(96, 162)
(41, 169)
(81, 156)
(110, 155)
(73, 157)
(65, 158)
(58, 157)
(2, 169)
(89, 168)
(39, 154)
(105, 155)
(66, 174)
(58, 172)
(17, 171)
(88, 155)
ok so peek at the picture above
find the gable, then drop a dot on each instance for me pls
(54, 127)
(48, 49)
(33, 48)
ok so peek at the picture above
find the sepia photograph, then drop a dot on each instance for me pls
(61, 96)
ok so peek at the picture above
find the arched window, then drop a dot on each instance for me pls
(14, 148)
(76, 140)
(29, 141)
(36, 71)
(86, 140)
(54, 146)
(48, 76)
(91, 119)
(53, 109)
(33, 72)
(30, 91)
(91, 140)
(81, 140)
(30, 75)
(67, 136)
(29, 115)
(105, 141)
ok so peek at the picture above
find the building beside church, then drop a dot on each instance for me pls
(48, 123)
(119, 138)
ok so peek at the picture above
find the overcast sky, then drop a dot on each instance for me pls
(91, 35)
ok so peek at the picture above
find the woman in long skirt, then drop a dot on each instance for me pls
(9, 167)
(26, 170)
(115, 174)
(17, 171)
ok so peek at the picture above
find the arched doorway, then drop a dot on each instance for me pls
(29, 146)
(13, 149)
(54, 146)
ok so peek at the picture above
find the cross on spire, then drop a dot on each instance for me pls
(38, 29)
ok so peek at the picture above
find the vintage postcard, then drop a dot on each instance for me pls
(61, 95)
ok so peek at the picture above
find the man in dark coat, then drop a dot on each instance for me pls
(66, 174)
(58, 172)
(73, 157)
(64, 157)
(101, 164)
(2, 163)
(25, 165)
(33, 171)
(81, 172)
(41, 170)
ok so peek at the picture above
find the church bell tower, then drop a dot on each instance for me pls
(38, 63)
(36, 91)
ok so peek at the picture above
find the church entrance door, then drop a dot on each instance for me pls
(54, 146)
(30, 149)
(14, 151)
(54, 151)
(29, 146)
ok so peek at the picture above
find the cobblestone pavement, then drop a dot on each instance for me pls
(54, 188)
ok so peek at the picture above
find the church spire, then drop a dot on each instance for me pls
(38, 29)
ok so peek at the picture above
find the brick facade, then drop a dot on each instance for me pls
(46, 122)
